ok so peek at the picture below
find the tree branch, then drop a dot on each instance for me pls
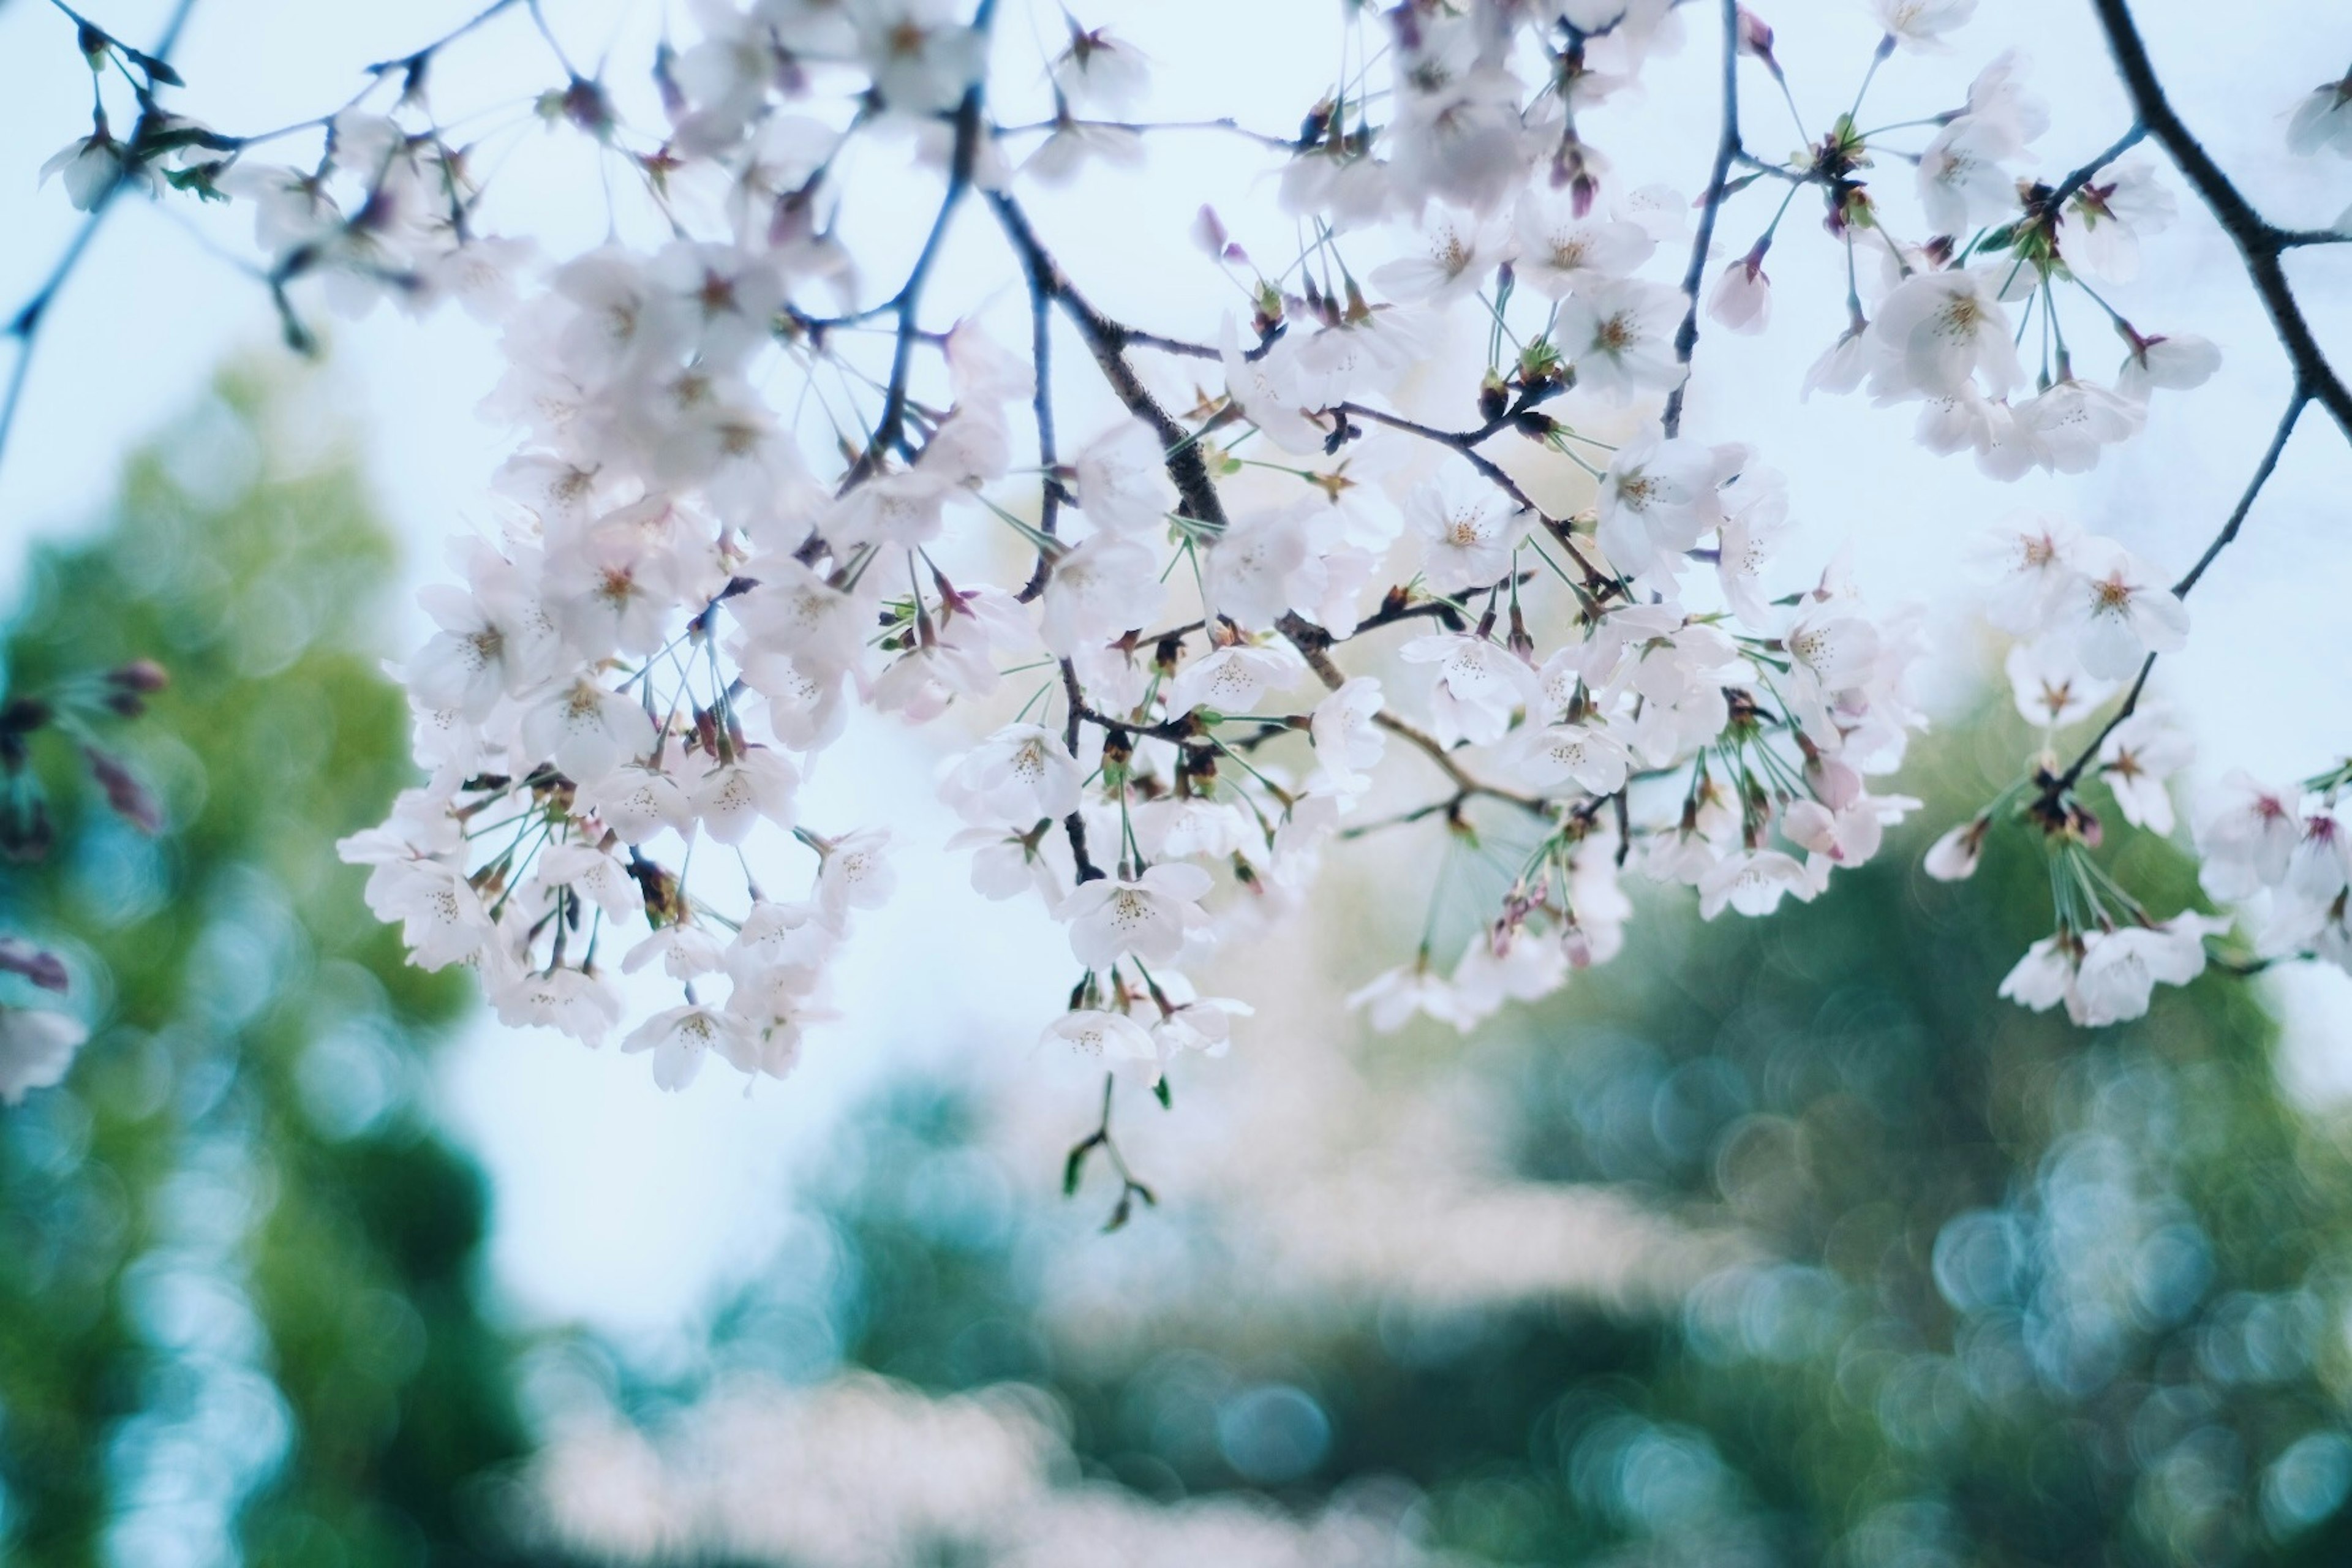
(1107, 341)
(25, 325)
(1727, 148)
(2263, 470)
(2075, 181)
(2258, 242)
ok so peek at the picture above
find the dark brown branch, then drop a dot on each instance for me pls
(1197, 489)
(1040, 359)
(1466, 442)
(2080, 178)
(892, 424)
(2263, 470)
(1727, 148)
(1075, 824)
(1107, 341)
(2258, 242)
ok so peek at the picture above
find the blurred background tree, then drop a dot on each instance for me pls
(237, 1318)
(2003, 1292)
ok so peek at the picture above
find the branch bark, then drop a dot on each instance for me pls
(1727, 148)
(2258, 242)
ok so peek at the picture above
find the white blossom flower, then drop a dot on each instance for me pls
(1203, 1024)
(594, 876)
(2322, 118)
(2068, 422)
(854, 874)
(2045, 977)
(1920, 24)
(1998, 96)
(443, 920)
(794, 610)
(2136, 758)
(567, 1000)
(2101, 226)
(1544, 756)
(2175, 364)
(1834, 645)
(2120, 968)
(779, 936)
(1020, 776)
(1843, 364)
(1459, 251)
(1101, 70)
(1005, 865)
(1147, 917)
(1193, 826)
(1348, 743)
(2050, 686)
(2247, 836)
(1561, 250)
(1112, 1038)
(1755, 519)
(1469, 531)
(91, 167)
(1122, 479)
(1480, 685)
(637, 800)
(733, 797)
(1267, 390)
(1753, 882)
(1741, 299)
(905, 509)
(921, 54)
(1099, 589)
(679, 1037)
(1953, 857)
(1460, 139)
(1251, 570)
(588, 730)
(2118, 612)
(684, 951)
(1660, 497)
(1395, 996)
(2317, 871)
(1620, 336)
(2026, 565)
(1231, 679)
(1962, 180)
(1499, 967)
(1938, 329)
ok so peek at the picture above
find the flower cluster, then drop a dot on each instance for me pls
(752, 500)
(2287, 850)
(687, 601)
(1940, 329)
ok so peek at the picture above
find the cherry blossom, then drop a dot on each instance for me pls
(2136, 758)
(1147, 917)
(2118, 614)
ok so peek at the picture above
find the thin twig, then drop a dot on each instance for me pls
(1727, 148)
(25, 325)
(2075, 181)
(2263, 470)
(2258, 242)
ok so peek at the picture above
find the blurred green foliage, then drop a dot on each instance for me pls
(236, 1298)
(2020, 1294)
